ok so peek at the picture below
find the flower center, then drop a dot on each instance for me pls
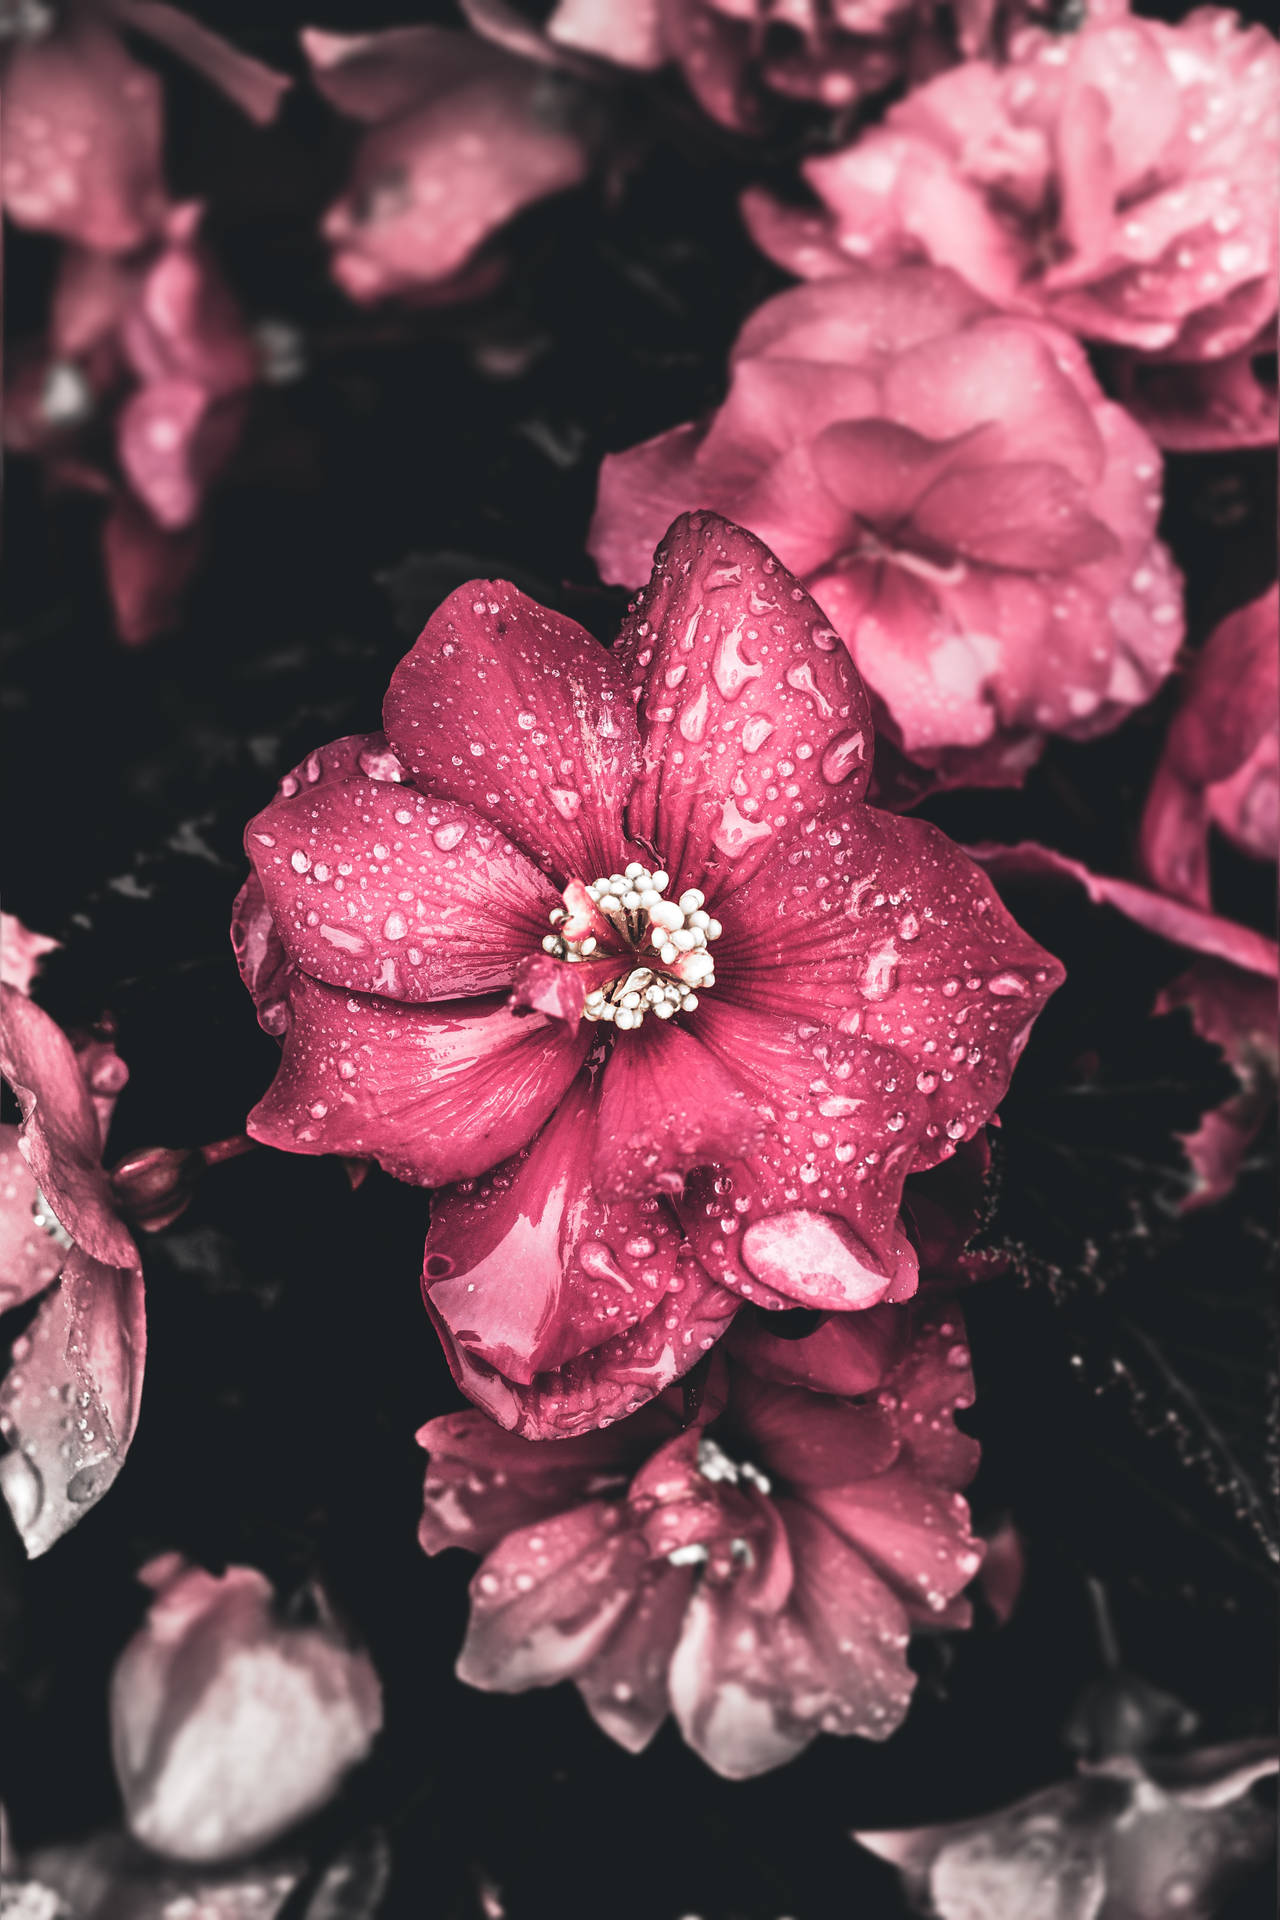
(650, 952)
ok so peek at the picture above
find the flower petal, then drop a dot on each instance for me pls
(149, 569)
(483, 1483)
(1028, 515)
(744, 691)
(625, 1685)
(255, 88)
(666, 1104)
(379, 889)
(809, 1440)
(432, 1094)
(84, 1350)
(885, 927)
(849, 1354)
(32, 1252)
(59, 1139)
(513, 710)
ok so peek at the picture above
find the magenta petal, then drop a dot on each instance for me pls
(546, 1600)
(255, 88)
(519, 713)
(849, 1354)
(812, 1440)
(916, 1535)
(433, 1094)
(85, 1350)
(612, 1381)
(83, 137)
(667, 1104)
(32, 1246)
(483, 1483)
(149, 569)
(60, 1141)
(882, 927)
(536, 1267)
(741, 676)
(1235, 1012)
(380, 889)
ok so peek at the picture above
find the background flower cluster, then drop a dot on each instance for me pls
(880, 1346)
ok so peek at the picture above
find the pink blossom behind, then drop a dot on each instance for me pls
(756, 1574)
(432, 930)
(975, 518)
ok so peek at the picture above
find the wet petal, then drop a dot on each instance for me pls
(812, 1441)
(849, 1353)
(513, 710)
(380, 889)
(667, 1104)
(1028, 515)
(33, 1246)
(432, 1094)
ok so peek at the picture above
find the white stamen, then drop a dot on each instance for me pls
(672, 933)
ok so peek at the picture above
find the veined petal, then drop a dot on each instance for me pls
(433, 1094)
(753, 716)
(812, 1440)
(482, 1483)
(513, 710)
(667, 1104)
(380, 889)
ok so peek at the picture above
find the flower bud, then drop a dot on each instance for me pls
(227, 1726)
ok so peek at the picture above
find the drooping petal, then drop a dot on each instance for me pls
(59, 1139)
(32, 1245)
(380, 889)
(83, 137)
(613, 1381)
(377, 76)
(516, 711)
(149, 569)
(812, 1441)
(753, 716)
(625, 1685)
(173, 440)
(882, 927)
(666, 1105)
(256, 89)
(70, 1403)
(1236, 1012)
(433, 1094)
(184, 323)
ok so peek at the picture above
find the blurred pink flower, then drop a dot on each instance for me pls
(461, 137)
(157, 346)
(950, 483)
(757, 1573)
(1127, 1839)
(1119, 180)
(84, 129)
(1204, 406)
(1221, 761)
(228, 1724)
(608, 945)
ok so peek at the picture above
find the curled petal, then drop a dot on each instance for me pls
(740, 676)
(433, 1094)
(513, 710)
(32, 1244)
(848, 1354)
(1236, 1012)
(70, 1403)
(256, 89)
(380, 889)
(21, 952)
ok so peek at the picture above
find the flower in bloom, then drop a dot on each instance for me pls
(69, 1404)
(156, 344)
(1221, 761)
(229, 1725)
(608, 945)
(756, 1573)
(1119, 180)
(84, 130)
(461, 136)
(1127, 1839)
(974, 517)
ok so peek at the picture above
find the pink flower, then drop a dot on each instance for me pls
(1119, 180)
(462, 135)
(609, 946)
(69, 1404)
(84, 127)
(977, 521)
(732, 53)
(757, 1573)
(1127, 1839)
(229, 1726)
(159, 344)
(1221, 762)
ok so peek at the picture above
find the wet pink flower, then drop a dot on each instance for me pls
(462, 136)
(228, 1724)
(607, 945)
(69, 1403)
(1119, 180)
(1221, 762)
(756, 1574)
(1127, 1839)
(976, 519)
(157, 346)
(84, 130)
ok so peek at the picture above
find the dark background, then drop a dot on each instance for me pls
(1125, 1387)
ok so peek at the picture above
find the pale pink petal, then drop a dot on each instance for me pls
(21, 952)
(483, 1484)
(173, 440)
(149, 569)
(255, 88)
(433, 1094)
(625, 1685)
(519, 713)
(33, 1246)
(1235, 1012)
(630, 36)
(59, 1138)
(83, 137)
(380, 889)
(744, 689)
(185, 324)
(84, 1351)
(1028, 515)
